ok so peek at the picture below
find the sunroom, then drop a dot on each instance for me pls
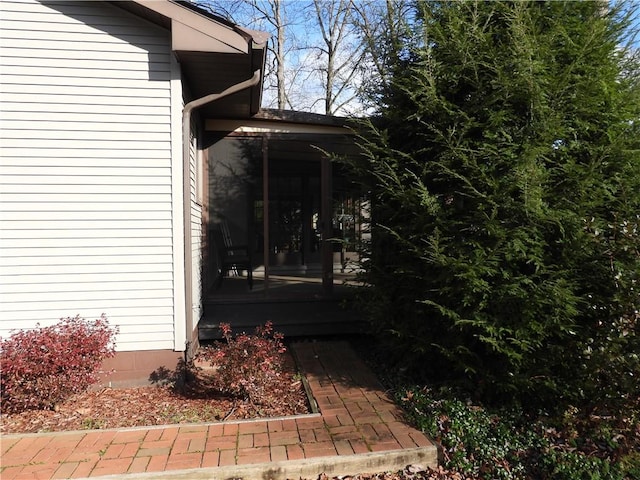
(283, 224)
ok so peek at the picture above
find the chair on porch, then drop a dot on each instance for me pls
(230, 257)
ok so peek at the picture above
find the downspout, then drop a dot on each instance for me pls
(186, 187)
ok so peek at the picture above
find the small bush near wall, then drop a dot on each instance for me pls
(44, 366)
(246, 364)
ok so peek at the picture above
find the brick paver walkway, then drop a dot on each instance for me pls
(356, 417)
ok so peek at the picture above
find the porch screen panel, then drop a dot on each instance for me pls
(235, 201)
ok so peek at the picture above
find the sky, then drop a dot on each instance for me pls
(304, 80)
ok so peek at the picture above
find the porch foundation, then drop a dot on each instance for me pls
(134, 369)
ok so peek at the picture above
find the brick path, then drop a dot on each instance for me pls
(356, 421)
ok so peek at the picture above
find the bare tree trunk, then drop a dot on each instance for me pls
(384, 27)
(280, 61)
(271, 16)
(341, 50)
(349, 40)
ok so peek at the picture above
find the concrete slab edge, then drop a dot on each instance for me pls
(310, 468)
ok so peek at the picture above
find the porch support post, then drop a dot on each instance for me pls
(326, 195)
(265, 209)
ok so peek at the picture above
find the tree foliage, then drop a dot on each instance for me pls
(340, 53)
(505, 182)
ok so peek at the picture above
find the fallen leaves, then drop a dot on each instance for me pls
(411, 472)
(156, 405)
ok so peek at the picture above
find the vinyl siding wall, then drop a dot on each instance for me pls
(86, 170)
(196, 229)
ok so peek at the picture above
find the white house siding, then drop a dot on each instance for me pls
(85, 171)
(196, 230)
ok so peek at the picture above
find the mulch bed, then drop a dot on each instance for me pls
(195, 403)
(159, 405)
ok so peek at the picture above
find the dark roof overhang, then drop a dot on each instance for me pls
(214, 54)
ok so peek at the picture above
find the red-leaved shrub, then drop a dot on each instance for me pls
(42, 367)
(245, 364)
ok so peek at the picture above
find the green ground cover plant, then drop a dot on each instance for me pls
(505, 441)
(506, 444)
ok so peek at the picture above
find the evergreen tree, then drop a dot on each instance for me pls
(505, 183)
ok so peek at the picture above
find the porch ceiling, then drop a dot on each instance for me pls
(292, 135)
(311, 147)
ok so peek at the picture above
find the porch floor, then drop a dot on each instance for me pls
(295, 304)
(280, 286)
(358, 430)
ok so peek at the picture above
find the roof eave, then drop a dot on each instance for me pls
(214, 53)
(192, 31)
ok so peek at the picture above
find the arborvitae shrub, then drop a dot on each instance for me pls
(504, 173)
(44, 366)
